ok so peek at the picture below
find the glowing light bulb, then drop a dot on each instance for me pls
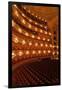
(44, 51)
(46, 45)
(57, 46)
(36, 23)
(30, 43)
(53, 53)
(38, 38)
(16, 13)
(45, 20)
(16, 40)
(43, 39)
(48, 40)
(50, 45)
(24, 7)
(13, 24)
(45, 27)
(53, 46)
(49, 33)
(23, 21)
(36, 44)
(20, 53)
(35, 29)
(23, 15)
(15, 5)
(41, 25)
(49, 51)
(39, 51)
(39, 17)
(26, 34)
(45, 32)
(36, 16)
(29, 25)
(33, 52)
(23, 42)
(13, 54)
(33, 36)
(42, 19)
(20, 30)
(41, 44)
(41, 31)
(27, 52)
(30, 20)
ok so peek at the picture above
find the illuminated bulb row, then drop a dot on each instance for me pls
(55, 46)
(16, 40)
(20, 53)
(13, 24)
(55, 53)
(23, 21)
(16, 13)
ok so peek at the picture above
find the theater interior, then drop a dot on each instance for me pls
(35, 45)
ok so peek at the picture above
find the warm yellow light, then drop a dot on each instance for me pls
(49, 33)
(53, 46)
(38, 38)
(35, 29)
(39, 51)
(45, 20)
(43, 39)
(45, 27)
(36, 16)
(33, 52)
(23, 15)
(26, 34)
(48, 40)
(36, 44)
(41, 44)
(23, 21)
(49, 51)
(13, 54)
(13, 24)
(57, 46)
(27, 52)
(44, 51)
(23, 42)
(45, 32)
(15, 5)
(20, 53)
(46, 45)
(39, 17)
(50, 45)
(33, 36)
(16, 13)
(42, 19)
(29, 25)
(16, 40)
(20, 30)
(41, 25)
(30, 43)
(30, 20)
(41, 31)
(32, 13)
(36, 23)
(53, 53)
(24, 7)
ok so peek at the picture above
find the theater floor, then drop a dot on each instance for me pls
(41, 72)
